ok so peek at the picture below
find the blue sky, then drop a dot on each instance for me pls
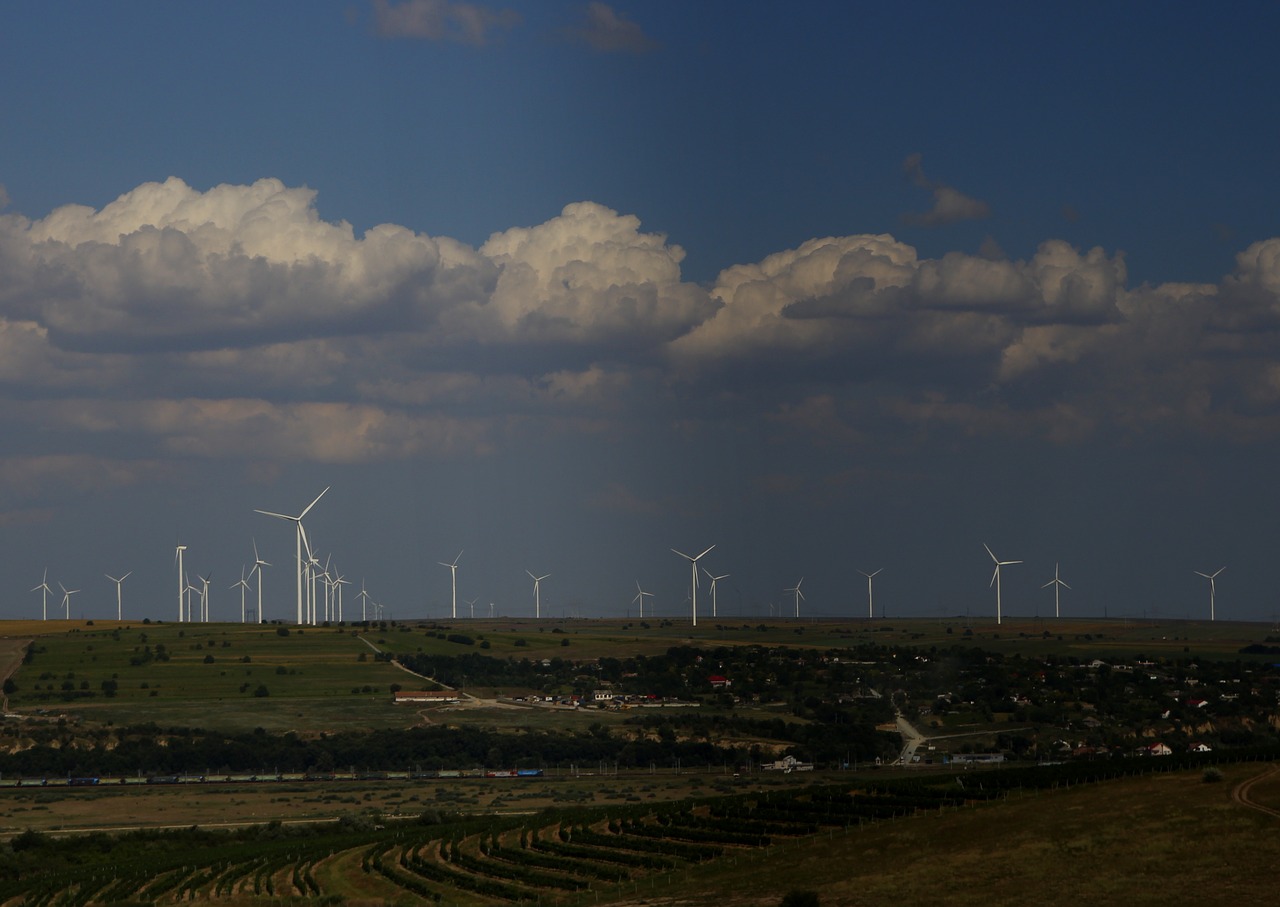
(567, 285)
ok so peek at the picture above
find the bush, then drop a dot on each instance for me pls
(799, 899)
(261, 691)
(1212, 775)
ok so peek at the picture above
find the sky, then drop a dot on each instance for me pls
(562, 286)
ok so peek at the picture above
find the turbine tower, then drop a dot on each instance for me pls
(693, 569)
(182, 580)
(44, 591)
(798, 595)
(871, 613)
(1058, 586)
(119, 609)
(640, 594)
(297, 520)
(995, 578)
(714, 580)
(1212, 588)
(537, 595)
(453, 571)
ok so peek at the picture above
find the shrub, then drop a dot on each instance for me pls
(1212, 775)
(799, 899)
(261, 691)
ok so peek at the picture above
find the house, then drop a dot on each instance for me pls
(719, 683)
(787, 764)
(1157, 749)
(602, 696)
(1201, 748)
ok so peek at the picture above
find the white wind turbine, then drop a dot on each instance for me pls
(1211, 577)
(119, 609)
(799, 596)
(297, 520)
(693, 581)
(44, 591)
(871, 611)
(338, 583)
(66, 599)
(1058, 586)
(537, 594)
(714, 580)
(258, 564)
(244, 587)
(182, 581)
(472, 604)
(995, 577)
(187, 590)
(204, 596)
(640, 594)
(364, 603)
(453, 572)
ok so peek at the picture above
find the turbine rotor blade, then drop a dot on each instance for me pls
(313, 503)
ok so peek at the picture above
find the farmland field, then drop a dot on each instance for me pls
(88, 687)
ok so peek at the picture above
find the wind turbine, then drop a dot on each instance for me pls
(364, 603)
(453, 572)
(640, 594)
(1058, 586)
(44, 591)
(338, 583)
(244, 587)
(871, 613)
(187, 590)
(301, 536)
(204, 596)
(1212, 587)
(119, 610)
(537, 595)
(66, 599)
(182, 580)
(472, 604)
(798, 594)
(693, 567)
(258, 564)
(714, 580)
(995, 577)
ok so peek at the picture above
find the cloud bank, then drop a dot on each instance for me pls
(235, 323)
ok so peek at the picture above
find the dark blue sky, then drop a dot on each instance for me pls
(567, 285)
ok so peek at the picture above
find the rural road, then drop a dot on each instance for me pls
(1240, 794)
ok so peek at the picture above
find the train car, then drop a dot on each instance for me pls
(81, 782)
(501, 773)
(528, 773)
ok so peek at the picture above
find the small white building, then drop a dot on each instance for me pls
(787, 764)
